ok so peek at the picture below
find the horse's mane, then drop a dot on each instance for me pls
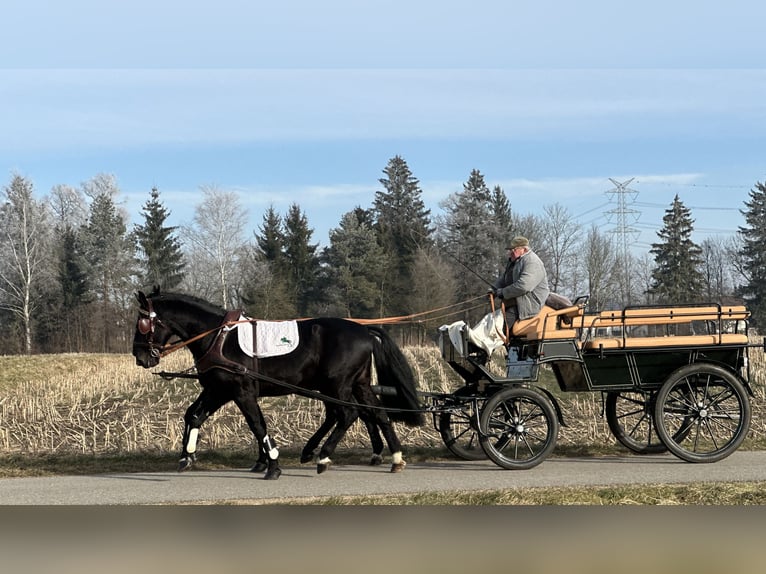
(186, 298)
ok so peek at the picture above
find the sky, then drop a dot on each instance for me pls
(306, 102)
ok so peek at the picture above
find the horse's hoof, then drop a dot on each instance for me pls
(376, 460)
(398, 466)
(185, 464)
(259, 467)
(307, 457)
(322, 466)
(273, 474)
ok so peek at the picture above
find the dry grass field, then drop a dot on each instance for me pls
(104, 404)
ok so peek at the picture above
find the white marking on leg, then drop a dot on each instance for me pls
(396, 458)
(271, 449)
(325, 461)
(191, 445)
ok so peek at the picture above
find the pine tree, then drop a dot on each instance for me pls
(110, 264)
(302, 261)
(353, 266)
(266, 290)
(402, 225)
(753, 254)
(471, 235)
(676, 277)
(161, 258)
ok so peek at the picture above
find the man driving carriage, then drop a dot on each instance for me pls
(523, 286)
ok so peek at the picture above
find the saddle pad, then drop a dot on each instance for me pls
(273, 338)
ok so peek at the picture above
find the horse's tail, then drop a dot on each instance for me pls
(393, 370)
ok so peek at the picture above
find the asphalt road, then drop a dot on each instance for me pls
(201, 487)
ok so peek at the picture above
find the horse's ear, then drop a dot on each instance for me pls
(155, 291)
(141, 299)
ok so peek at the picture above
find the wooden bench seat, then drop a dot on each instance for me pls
(664, 316)
(549, 324)
(672, 341)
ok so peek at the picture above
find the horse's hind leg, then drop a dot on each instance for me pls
(377, 441)
(307, 455)
(379, 418)
(198, 412)
(345, 418)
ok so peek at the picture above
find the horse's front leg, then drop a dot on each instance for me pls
(262, 463)
(198, 412)
(269, 452)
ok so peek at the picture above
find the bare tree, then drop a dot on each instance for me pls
(216, 244)
(23, 248)
(601, 262)
(561, 235)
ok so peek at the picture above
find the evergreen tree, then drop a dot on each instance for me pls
(160, 256)
(676, 277)
(402, 225)
(472, 236)
(352, 265)
(74, 290)
(266, 291)
(302, 261)
(110, 265)
(753, 255)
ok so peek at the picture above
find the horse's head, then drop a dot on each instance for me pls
(151, 333)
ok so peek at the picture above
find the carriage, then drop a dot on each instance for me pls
(672, 378)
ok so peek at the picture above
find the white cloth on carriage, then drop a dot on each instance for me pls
(272, 338)
(487, 334)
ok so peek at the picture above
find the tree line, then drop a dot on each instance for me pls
(70, 263)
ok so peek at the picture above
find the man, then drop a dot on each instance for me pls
(523, 286)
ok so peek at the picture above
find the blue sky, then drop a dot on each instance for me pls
(306, 102)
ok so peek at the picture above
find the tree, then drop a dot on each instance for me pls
(562, 234)
(753, 254)
(470, 234)
(716, 270)
(24, 243)
(402, 225)
(302, 261)
(352, 266)
(601, 262)
(217, 245)
(160, 254)
(108, 255)
(676, 277)
(265, 291)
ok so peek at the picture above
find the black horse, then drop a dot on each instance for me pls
(334, 357)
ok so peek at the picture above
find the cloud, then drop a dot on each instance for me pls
(54, 109)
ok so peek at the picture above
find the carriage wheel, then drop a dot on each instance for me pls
(518, 428)
(630, 416)
(458, 428)
(702, 413)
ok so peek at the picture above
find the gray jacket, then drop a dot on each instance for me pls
(525, 285)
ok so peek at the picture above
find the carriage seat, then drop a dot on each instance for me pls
(668, 341)
(663, 317)
(550, 323)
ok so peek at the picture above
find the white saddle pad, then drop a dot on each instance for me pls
(273, 338)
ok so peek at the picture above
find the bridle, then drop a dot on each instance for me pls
(146, 325)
